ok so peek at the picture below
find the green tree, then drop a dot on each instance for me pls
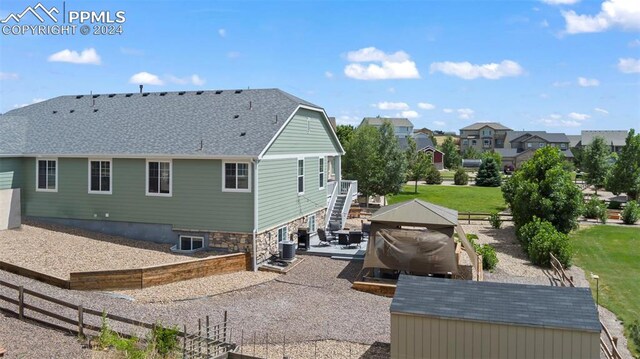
(362, 158)
(433, 175)
(489, 173)
(497, 157)
(596, 163)
(470, 153)
(418, 163)
(542, 188)
(451, 153)
(624, 177)
(345, 133)
(393, 162)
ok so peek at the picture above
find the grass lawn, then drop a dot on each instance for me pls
(460, 198)
(613, 253)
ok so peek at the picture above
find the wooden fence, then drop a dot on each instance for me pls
(608, 347)
(208, 343)
(480, 216)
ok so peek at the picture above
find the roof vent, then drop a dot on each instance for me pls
(95, 96)
(238, 91)
(242, 134)
(72, 111)
(79, 96)
(128, 95)
(163, 93)
(182, 93)
(95, 110)
(112, 95)
(199, 92)
(236, 116)
(145, 94)
(218, 92)
(54, 111)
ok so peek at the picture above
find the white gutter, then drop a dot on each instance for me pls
(254, 257)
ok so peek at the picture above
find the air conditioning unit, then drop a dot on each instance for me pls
(287, 250)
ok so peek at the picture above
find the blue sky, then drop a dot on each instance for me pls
(557, 65)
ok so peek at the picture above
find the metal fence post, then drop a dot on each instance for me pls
(224, 330)
(199, 337)
(80, 320)
(184, 342)
(21, 302)
(207, 329)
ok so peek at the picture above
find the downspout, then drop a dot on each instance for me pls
(254, 257)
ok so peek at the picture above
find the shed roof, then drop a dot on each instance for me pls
(501, 303)
(396, 121)
(616, 137)
(416, 212)
(226, 123)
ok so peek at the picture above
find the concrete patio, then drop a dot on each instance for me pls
(335, 250)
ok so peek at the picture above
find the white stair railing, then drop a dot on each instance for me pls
(331, 205)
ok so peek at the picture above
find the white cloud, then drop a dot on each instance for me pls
(222, 32)
(634, 43)
(439, 123)
(624, 14)
(348, 120)
(86, 56)
(465, 113)
(544, 23)
(578, 116)
(193, 80)
(561, 84)
(585, 82)
(408, 114)
(391, 66)
(555, 116)
(557, 121)
(426, 106)
(391, 105)
(328, 74)
(35, 100)
(601, 110)
(197, 80)
(392, 89)
(447, 110)
(145, 78)
(629, 65)
(469, 71)
(9, 76)
(560, 2)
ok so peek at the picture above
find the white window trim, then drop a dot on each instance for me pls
(146, 178)
(298, 176)
(324, 172)
(315, 224)
(57, 171)
(110, 191)
(248, 190)
(286, 234)
(192, 238)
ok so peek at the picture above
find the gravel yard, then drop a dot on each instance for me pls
(59, 250)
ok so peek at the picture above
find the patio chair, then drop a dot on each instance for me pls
(322, 237)
(343, 239)
(366, 229)
(333, 227)
(355, 238)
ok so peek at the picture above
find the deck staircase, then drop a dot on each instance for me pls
(339, 201)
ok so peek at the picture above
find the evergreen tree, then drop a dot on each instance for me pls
(451, 154)
(489, 173)
(624, 177)
(596, 163)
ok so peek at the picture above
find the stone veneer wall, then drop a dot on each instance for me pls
(266, 242)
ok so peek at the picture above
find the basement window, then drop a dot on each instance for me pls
(282, 234)
(47, 175)
(191, 243)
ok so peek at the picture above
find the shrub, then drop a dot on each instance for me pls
(634, 333)
(107, 338)
(539, 239)
(164, 339)
(630, 213)
(488, 253)
(461, 177)
(594, 208)
(494, 219)
(489, 173)
(433, 176)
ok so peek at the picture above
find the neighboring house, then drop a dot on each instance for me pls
(483, 136)
(422, 133)
(238, 170)
(402, 127)
(521, 145)
(426, 145)
(613, 138)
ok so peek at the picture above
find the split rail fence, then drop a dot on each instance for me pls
(209, 341)
(608, 347)
(481, 216)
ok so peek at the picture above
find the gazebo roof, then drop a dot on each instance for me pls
(416, 212)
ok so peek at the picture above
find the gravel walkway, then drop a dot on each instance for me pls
(59, 250)
(320, 349)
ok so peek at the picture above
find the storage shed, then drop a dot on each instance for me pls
(444, 318)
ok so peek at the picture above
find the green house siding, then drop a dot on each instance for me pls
(10, 173)
(278, 199)
(197, 200)
(307, 132)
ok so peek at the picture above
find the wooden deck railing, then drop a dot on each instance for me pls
(610, 346)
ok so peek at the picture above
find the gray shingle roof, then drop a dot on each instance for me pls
(507, 152)
(158, 123)
(547, 136)
(617, 137)
(421, 143)
(377, 121)
(503, 303)
(479, 125)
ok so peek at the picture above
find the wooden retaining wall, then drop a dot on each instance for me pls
(49, 279)
(383, 289)
(161, 274)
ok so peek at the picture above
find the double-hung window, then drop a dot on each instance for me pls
(191, 243)
(301, 176)
(311, 223)
(321, 172)
(47, 175)
(236, 177)
(158, 178)
(282, 234)
(100, 176)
